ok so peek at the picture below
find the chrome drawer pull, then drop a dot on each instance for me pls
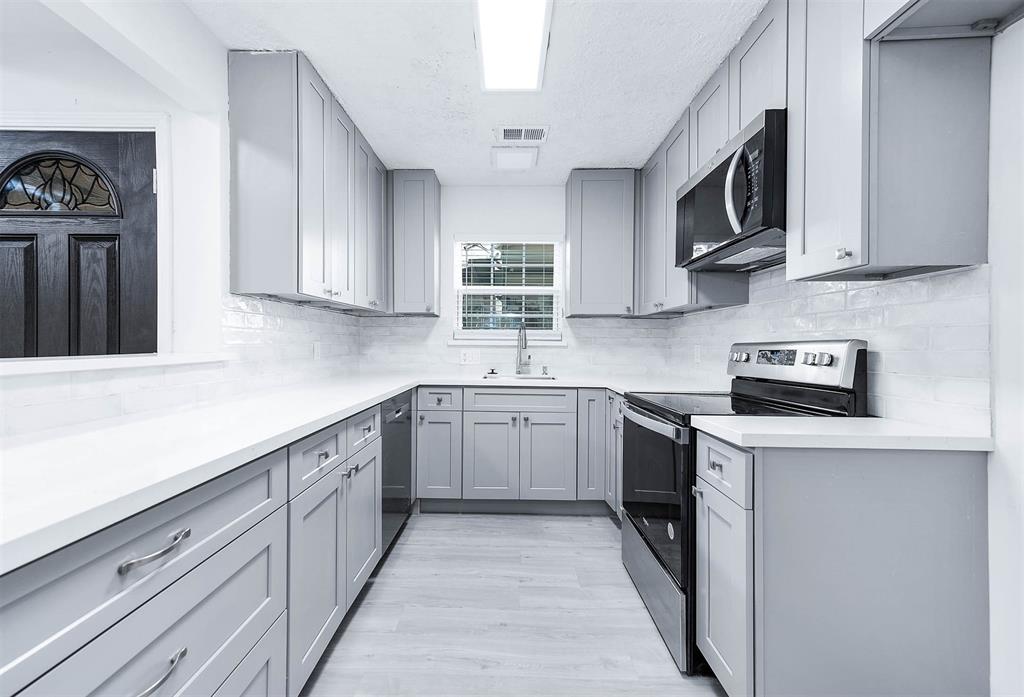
(176, 539)
(180, 654)
(712, 465)
(696, 492)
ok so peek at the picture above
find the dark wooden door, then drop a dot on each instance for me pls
(78, 249)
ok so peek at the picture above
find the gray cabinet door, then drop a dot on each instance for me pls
(653, 265)
(439, 454)
(547, 457)
(709, 118)
(600, 248)
(677, 171)
(757, 68)
(490, 455)
(262, 673)
(609, 449)
(365, 273)
(314, 128)
(416, 229)
(825, 229)
(340, 208)
(376, 273)
(725, 589)
(316, 569)
(363, 516)
(592, 444)
(618, 459)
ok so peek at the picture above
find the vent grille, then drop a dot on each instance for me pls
(521, 134)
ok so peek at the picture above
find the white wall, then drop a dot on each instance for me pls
(502, 213)
(1006, 464)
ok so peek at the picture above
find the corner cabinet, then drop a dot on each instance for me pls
(592, 443)
(416, 230)
(881, 113)
(599, 218)
(304, 226)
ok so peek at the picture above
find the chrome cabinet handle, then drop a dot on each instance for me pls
(422, 418)
(629, 309)
(842, 253)
(696, 492)
(175, 659)
(712, 465)
(368, 429)
(439, 400)
(176, 539)
(514, 419)
(323, 455)
(526, 420)
(347, 474)
(429, 308)
(730, 207)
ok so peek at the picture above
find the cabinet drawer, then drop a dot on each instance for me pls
(192, 636)
(519, 399)
(52, 607)
(727, 468)
(439, 398)
(313, 457)
(262, 672)
(363, 428)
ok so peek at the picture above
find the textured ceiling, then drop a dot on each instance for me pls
(619, 73)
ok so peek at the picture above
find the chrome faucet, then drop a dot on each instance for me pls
(522, 366)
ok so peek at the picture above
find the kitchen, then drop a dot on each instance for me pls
(374, 365)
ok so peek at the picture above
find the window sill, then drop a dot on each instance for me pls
(508, 343)
(78, 364)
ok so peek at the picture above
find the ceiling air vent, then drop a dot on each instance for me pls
(521, 135)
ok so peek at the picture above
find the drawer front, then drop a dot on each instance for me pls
(313, 457)
(439, 398)
(262, 672)
(56, 605)
(520, 399)
(193, 635)
(363, 429)
(727, 468)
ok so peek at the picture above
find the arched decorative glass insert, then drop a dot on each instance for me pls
(48, 183)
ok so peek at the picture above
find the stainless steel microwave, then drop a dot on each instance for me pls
(731, 214)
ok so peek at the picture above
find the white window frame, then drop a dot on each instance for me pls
(508, 336)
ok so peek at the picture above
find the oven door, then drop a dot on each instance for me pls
(656, 476)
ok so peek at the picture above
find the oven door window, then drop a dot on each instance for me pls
(653, 479)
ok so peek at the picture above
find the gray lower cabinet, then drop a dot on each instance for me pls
(316, 564)
(263, 671)
(613, 459)
(54, 606)
(600, 221)
(490, 455)
(618, 426)
(439, 454)
(725, 588)
(547, 456)
(189, 638)
(364, 533)
(592, 428)
(416, 230)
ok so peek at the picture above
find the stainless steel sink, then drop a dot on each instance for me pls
(519, 377)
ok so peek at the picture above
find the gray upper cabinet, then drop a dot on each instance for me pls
(882, 112)
(653, 236)
(592, 428)
(416, 230)
(709, 118)
(725, 589)
(316, 566)
(547, 457)
(490, 455)
(757, 68)
(363, 517)
(600, 215)
(307, 215)
(439, 454)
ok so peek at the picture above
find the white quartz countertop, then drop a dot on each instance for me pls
(869, 432)
(59, 486)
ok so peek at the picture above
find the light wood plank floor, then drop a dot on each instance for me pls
(502, 605)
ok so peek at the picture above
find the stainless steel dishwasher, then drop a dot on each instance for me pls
(396, 483)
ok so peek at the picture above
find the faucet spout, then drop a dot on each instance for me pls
(522, 364)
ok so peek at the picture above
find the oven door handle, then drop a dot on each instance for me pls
(652, 423)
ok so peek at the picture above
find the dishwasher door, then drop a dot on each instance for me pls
(396, 483)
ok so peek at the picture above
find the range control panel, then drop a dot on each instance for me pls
(828, 362)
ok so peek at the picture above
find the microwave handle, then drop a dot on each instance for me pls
(730, 208)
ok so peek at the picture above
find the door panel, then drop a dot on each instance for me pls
(547, 453)
(677, 171)
(652, 245)
(709, 119)
(439, 454)
(375, 244)
(340, 210)
(490, 456)
(93, 287)
(363, 532)
(18, 289)
(314, 125)
(592, 429)
(757, 68)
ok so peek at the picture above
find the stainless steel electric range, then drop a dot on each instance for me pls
(800, 378)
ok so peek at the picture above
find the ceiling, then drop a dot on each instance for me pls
(619, 73)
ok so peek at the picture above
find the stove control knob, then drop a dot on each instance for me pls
(745, 357)
(825, 358)
(734, 357)
(810, 359)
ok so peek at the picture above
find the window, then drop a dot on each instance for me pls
(501, 285)
(56, 182)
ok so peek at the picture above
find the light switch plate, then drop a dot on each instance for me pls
(469, 357)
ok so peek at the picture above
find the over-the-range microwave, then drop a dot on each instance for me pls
(731, 214)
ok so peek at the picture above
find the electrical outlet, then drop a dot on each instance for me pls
(316, 350)
(469, 357)
(696, 354)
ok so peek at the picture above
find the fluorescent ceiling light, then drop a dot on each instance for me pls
(512, 40)
(513, 158)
